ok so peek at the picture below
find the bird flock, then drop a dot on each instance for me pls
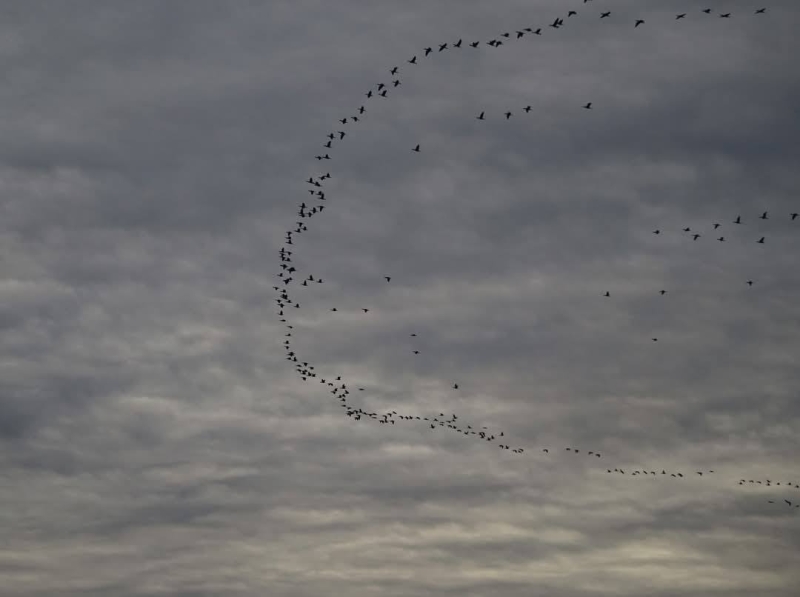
(727, 229)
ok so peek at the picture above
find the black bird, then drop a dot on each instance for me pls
(721, 239)
(341, 135)
(738, 220)
(760, 240)
(680, 16)
(763, 216)
(687, 229)
(607, 293)
(480, 116)
(707, 11)
(365, 310)
(393, 71)
(428, 51)
(556, 23)
(656, 231)
(416, 149)
(538, 31)
(369, 93)
(381, 86)
(749, 282)
(716, 226)
(696, 236)
(726, 15)
(443, 46)
(455, 386)
(605, 14)
(457, 44)
(588, 106)
(760, 11)
(527, 108)
(508, 115)
(571, 13)
(638, 22)
(413, 60)
(416, 352)
(328, 145)
(343, 120)
(794, 215)
(388, 278)
(520, 34)
(382, 93)
(474, 44)
(413, 335)
(662, 292)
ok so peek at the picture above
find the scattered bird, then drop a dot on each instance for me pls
(588, 106)
(416, 148)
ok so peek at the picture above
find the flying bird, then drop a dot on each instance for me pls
(480, 116)
(588, 106)
(605, 14)
(416, 148)
(638, 22)
(760, 240)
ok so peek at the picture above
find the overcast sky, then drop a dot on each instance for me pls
(154, 440)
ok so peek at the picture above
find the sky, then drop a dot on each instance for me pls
(154, 438)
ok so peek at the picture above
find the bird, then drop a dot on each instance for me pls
(763, 216)
(760, 11)
(388, 278)
(605, 14)
(455, 386)
(365, 310)
(721, 239)
(416, 148)
(696, 236)
(393, 71)
(794, 216)
(726, 15)
(474, 44)
(571, 13)
(457, 44)
(588, 106)
(527, 108)
(738, 220)
(656, 231)
(508, 115)
(442, 47)
(687, 229)
(413, 60)
(680, 16)
(707, 11)
(607, 293)
(662, 292)
(760, 240)
(480, 116)
(749, 282)
(716, 226)
(638, 22)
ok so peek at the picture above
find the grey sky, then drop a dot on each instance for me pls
(155, 441)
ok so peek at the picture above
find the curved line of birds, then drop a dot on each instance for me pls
(340, 389)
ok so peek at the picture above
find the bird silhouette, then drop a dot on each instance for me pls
(638, 22)
(588, 106)
(480, 116)
(416, 149)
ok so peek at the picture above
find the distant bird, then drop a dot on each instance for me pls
(588, 106)
(687, 229)
(749, 282)
(794, 215)
(760, 240)
(726, 15)
(656, 231)
(428, 51)
(763, 216)
(413, 60)
(662, 292)
(416, 352)
(474, 44)
(527, 108)
(393, 71)
(455, 386)
(655, 339)
(369, 93)
(571, 13)
(388, 278)
(457, 44)
(721, 239)
(343, 120)
(413, 335)
(443, 47)
(605, 14)
(738, 220)
(716, 226)
(508, 115)
(760, 11)
(680, 16)
(365, 310)
(480, 116)
(607, 293)
(638, 22)
(696, 236)
(707, 11)
(416, 148)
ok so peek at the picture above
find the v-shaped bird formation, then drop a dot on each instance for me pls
(729, 228)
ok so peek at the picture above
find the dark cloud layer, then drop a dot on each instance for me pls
(154, 441)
